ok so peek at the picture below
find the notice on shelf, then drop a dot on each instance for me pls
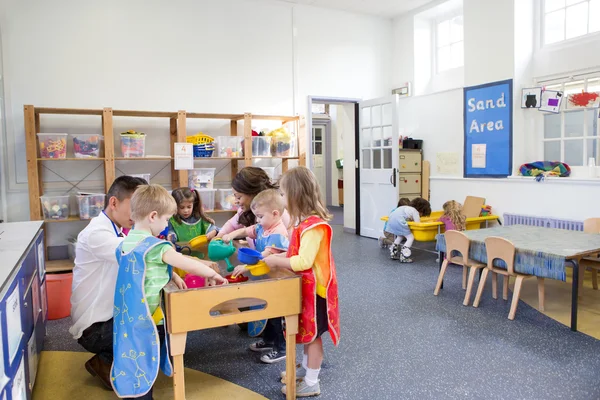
(19, 387)
(184, 156)
(14, 329)
(478, 154)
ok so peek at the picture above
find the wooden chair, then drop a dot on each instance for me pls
(458, 242)
(501, 249)
(590, 225)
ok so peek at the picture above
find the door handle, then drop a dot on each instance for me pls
(393, 177)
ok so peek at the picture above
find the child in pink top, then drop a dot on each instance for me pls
(453, 218)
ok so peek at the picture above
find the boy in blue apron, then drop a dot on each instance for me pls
(270, 236)
(140, 344)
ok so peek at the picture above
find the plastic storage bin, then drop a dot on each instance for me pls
(229, 146)
(208, 198)
(133, 144)
(55, 207)
(59, 295)
(226, 200)
(283, 145)
(53, 145)
(91, 205)
(261, 146)
(201, 178)
(86, 146)
(145, 177)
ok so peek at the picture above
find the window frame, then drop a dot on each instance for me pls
(434, 40)
(587, 36)
(585, 137)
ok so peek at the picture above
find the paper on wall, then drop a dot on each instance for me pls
(478, 153)
(447, 163)
(184, 156)
(551, 100)
(14, 328)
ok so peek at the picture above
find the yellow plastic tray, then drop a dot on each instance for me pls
(429, 227)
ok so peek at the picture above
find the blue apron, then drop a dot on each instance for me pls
(137, 350)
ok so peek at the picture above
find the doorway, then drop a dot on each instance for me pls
(333, 126)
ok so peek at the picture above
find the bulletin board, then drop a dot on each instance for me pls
(488, 130)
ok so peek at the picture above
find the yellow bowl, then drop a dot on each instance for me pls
(198, 241)
(258, 269)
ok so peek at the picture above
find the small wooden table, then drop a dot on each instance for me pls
(189, 310)
(540, 252)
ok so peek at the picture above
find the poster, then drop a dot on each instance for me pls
(531, 97)
(19, 388)
(447, 163)
(583, 100)
(14, 328)
(551, 100)
(488, 130)
(184, 156)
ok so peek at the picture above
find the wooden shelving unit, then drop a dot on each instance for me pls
(177, 133)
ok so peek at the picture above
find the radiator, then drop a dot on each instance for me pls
(515, 219)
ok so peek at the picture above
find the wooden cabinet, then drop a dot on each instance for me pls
(413, 174)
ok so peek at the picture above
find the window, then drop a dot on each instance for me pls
(568, 19)
(572, 136)
(449, 49)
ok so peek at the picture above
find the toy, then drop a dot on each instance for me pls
(133, 144)
(193, 281)
(219, 250)
(254, 262)
(237, 279)
(485, 211)
(281, 142)
(86, 146)
(56, 207)
(53, 146)
(198, 242)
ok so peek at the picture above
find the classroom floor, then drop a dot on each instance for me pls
(398, 341)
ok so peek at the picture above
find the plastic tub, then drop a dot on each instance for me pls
(133, 145)
(55, 207)
(59, 295)
(87, 146)
(229, 146)
(145, 177)
(261, 146)
(90, 206)
(207, 196)
(53, 145)
(201, 178)
(226, 200)
(283, 146)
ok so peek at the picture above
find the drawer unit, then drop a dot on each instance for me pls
(410, 161)
(409, 183)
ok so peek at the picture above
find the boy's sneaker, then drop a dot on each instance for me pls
(273, 357)
(300, 373)
(405, 253)
(382, 242)
(261, 346)
(303, 390)
(394, 252)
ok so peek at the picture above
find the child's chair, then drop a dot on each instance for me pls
(501, 249)
(590, 225)
(458, 242)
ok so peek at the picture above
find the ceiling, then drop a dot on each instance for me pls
(381, 8)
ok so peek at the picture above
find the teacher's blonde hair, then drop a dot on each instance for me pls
(303, 195)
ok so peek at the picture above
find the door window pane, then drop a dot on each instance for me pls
(366, 116)
(376, 137)
(554, 27)
(577, 20)
(591, 122)
(594, 16)
(377, 159)
(366, 138)
(318, 134)
(574, 152)
(366, 159)
(574, 124)
(552, 151)
(592, 150)
(387, 158)
(552, 126)
(552, 5)
(387, 136)
(387, 114)
(318, 148)
(376, 116)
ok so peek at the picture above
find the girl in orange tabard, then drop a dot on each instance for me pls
(309, 255)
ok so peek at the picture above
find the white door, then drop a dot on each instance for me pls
(378, 162)
(318, 152)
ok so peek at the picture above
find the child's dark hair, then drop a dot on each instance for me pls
(404, 201)
(251, 181)
(123, 187)
(186, 194)
(422, 206)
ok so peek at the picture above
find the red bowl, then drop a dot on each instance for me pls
(237, 279)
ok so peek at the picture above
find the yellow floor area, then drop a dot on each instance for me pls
(61, 375)
(558, 302)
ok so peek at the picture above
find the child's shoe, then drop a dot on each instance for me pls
(261, 346)
(382, 242)
(273, 357)
(405, 253)
(394, 252)
(303, 390)
(300, 373)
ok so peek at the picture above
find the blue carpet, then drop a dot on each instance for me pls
(399, 341)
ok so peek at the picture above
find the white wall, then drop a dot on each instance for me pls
(229, 56)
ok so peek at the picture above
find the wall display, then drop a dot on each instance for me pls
(447, 163)
(184, 156)
(488, 130)
(531, 97)
(583, 100)
(19, 386)
(14, 329)
(551, 100)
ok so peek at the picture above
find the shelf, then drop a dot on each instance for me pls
(283, 158)
(165, 158)
(72, 218)
(221, 211)
(234, 117)
(270, 117)
(217, 158)
(73, 159)
(70, 111)
(150, 114)
(59, 266)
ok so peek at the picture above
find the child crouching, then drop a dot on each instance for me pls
(398, 226)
